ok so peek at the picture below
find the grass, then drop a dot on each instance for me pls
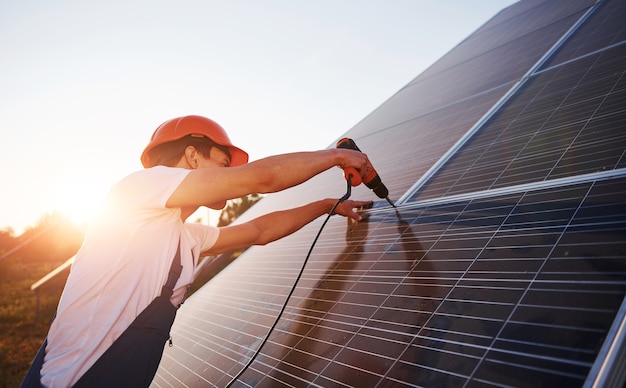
(22, 329)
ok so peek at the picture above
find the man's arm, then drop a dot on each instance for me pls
(276, 225)
(212, 185)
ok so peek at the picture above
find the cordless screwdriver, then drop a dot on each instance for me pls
(371, 179)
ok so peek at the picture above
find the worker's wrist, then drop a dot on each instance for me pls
(329, 204)
(338, 157)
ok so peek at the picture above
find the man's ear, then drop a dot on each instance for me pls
(191, 156)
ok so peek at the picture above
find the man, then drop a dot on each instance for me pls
(121, 274)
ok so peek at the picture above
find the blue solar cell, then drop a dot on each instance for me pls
(571, 125)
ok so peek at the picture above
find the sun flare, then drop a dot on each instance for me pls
(79, 199)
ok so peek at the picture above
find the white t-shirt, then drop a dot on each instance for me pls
(120, 268)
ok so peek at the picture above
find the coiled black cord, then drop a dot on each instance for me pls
(293, 288)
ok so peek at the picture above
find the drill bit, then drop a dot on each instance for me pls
(391, 203)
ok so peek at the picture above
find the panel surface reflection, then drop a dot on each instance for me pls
(482, 290)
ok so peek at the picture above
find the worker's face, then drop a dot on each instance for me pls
(218, 158)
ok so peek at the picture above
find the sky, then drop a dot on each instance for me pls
(83, 84)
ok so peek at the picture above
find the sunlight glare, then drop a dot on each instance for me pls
(80, 198)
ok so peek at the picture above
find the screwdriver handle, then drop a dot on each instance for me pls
(351, 174)
(370, 178)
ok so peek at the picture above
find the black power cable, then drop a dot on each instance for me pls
(293, 288)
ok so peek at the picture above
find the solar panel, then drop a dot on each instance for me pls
(506, 267)
(567, 121)
(443, 84)
(518, 30)
(604, 29)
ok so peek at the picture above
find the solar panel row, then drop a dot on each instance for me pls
(566, 121)
(507, 268)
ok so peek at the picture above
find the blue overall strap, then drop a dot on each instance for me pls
(175, 270)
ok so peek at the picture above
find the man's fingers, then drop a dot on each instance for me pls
(347, 208)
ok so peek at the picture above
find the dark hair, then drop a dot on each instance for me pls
(168, 154)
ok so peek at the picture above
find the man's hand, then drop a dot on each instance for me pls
(273, 226)
(346, 208)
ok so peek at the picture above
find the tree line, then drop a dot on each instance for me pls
(54, 239)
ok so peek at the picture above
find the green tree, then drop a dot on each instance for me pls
(237, 207)
(54, 239)
(7, 241)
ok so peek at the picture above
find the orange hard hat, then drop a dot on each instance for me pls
(180, 127)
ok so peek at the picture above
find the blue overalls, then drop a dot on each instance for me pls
(132, 360)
